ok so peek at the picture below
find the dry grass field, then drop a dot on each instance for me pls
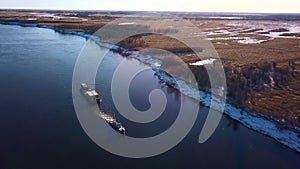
(246, 49)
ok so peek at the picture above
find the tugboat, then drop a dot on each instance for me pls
(112, 121)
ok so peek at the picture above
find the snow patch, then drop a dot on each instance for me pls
(225, 17)
(242, 40)
(204, 62)
(31, 19)
(226, 38)
(249, 40)
(127, 23)
(222, 43)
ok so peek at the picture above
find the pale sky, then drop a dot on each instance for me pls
(280, 6)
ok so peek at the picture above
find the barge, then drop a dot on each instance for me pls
(111, 120)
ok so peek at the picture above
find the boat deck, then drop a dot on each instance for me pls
(107, 117)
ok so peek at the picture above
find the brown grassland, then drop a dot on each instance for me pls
(279, 55)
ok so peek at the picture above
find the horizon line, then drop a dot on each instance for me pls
(126, 10)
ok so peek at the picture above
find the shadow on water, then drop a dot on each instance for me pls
(234, 124)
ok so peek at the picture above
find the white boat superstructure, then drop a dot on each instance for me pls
(90, 92)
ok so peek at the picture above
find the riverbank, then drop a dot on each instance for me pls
(263, 124)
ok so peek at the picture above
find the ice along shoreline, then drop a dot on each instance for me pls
(286, 135)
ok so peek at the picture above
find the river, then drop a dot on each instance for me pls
(40, 129)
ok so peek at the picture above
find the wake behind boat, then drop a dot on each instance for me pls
(94, 96)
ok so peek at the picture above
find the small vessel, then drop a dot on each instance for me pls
(92, 94)
(111, 120)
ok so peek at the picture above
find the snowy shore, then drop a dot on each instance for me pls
(286, 135)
